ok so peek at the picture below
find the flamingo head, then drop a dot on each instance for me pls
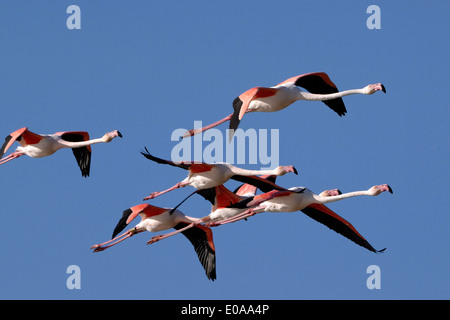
(376, 190)
(282, 170)
(372, 88)
(111, 135)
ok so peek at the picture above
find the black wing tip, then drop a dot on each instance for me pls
(380, 251)
(212, 276)
(122, 222)
(146, 153)
(2, 150)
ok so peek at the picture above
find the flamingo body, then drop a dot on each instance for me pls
(225, 204)
(303, 199)
(205, 176)
(43, 145)
(315, 86)
(154, 219)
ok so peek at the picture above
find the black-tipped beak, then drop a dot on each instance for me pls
(390, 189)
(118, 132)
(383, 88)
(295, 170)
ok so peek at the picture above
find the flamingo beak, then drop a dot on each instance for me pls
(119, 134)
(383, 88)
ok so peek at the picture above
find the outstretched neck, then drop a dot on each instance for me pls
(322, 97)
(329, 199)
(80, 144)
(245, 172)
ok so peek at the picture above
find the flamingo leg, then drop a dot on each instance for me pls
(167, 235)
(193, 132)
(248, 213)
(116, 240)
(12, 156)
(158, 193)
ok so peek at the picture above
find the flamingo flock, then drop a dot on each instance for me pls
(209, 179)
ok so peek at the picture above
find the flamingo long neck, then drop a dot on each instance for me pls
(245, 172)
(330, 96)
(80, 144)
(329, 199)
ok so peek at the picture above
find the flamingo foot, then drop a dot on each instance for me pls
(191, 133)
(156, 239)
(152, 195)
(98, 249)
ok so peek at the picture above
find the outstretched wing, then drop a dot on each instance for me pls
(324, 215)
(82, 154)
(320, 83)
(250, 189)
(201, 238)
(127, 216)
(241, 103)
(262, 184)
(28, 136)
(192, 166)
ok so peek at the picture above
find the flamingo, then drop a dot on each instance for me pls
(225, 204)
(203, 175)
(154, 219)
(303, 199)
(276, 98)
(43, 145)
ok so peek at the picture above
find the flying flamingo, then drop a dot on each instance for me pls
(303, 199)
(225, 204)
(42, 145)
(154, 219)
(203, 175)
(263, 99)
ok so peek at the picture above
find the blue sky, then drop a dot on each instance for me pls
(148, 68)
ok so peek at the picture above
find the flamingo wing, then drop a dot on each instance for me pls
(218, 196)
(192, 166)
(249, 188)
(82, 154)
(127, 216)
(201, 238)
(241, 103)
(324, 215)
(320, 83)
(262, 184)
(28, 136)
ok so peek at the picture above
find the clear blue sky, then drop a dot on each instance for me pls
(148, 68)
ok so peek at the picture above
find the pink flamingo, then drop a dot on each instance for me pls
(303, 199)
(154, 219)
(203, 175)
(43, 145)
(226, 204)
(276, 98)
